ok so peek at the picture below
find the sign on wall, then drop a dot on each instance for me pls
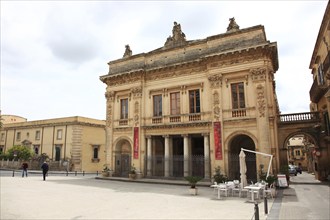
(217, 141)
(136, 143)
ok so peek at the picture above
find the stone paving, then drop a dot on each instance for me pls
(71, 197)
(78, 197)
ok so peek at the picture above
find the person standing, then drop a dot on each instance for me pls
(25, 167)
(44, 168)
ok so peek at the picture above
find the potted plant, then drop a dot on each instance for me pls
(105, 171)
(193, 182)
(218, 176)
(132, 173)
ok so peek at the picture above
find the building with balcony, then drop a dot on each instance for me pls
(320, 95)
(78, 140)
(297, 152)
(191, 105)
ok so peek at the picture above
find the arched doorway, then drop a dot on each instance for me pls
(300, 151)
(238, 142)
(123, 158)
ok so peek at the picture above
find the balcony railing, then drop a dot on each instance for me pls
(300, 117)
(238, 113)
(317, 91)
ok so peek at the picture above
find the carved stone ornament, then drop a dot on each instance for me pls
(178, 37)
(137, 91)
(216, 106)
(215, 80)
(109, 114)
(232, 25)
(110, 95)
(136, 113)
(261, 100)
(258, 74)
(128, 51)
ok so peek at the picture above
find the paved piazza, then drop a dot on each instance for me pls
(74, 197)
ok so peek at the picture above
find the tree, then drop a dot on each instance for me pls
(19, 152)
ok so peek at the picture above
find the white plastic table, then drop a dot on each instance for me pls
(253, 189)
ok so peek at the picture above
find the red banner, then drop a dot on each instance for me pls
(217, 141)
(136, 143)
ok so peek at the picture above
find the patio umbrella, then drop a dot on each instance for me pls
(242, 168)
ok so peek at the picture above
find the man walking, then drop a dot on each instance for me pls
(44, 168)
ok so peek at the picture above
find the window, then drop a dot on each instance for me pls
(157, 105)
(124, 109)
(18, 136)
(237, 95)
(194, 101)
(37, 137)
(59, 134)
(320, 75)
(95, 153)
(175, 103)
(36, 149)
(297, 152)
(2, 136)
(1, 148)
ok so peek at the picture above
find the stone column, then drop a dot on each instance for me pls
(166, 156)
(149, 154)
(206, 156)
(110, 96)
(185, 155)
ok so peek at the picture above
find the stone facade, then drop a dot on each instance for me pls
(79, 140)
(320, 96)
(191, 105)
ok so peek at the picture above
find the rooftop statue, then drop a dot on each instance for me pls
(128, 51)
(177, 38)
(232, 25)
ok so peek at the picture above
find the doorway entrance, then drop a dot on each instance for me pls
(238, 142)
(197, 156)
(123, 158)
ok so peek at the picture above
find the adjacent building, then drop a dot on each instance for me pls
(320, 95)
(78, 140)
(191, 105)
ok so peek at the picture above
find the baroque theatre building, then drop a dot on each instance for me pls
(191, 105)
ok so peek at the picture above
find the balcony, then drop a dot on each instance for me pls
(178, 119)
(317, 91)
(300, 117)
(326, 65)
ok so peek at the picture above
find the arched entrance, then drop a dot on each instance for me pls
(300, 148)
(238, 142)
(123, 158)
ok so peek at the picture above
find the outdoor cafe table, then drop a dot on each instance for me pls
(253, 189)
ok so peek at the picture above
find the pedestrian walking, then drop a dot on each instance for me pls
(24, 167)
(44, 168)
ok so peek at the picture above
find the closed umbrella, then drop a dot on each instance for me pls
(242, 168)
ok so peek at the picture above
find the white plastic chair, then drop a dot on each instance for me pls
(269, 191)
(223, 188)
(214, 186)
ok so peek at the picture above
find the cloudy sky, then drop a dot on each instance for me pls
(53, 52)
